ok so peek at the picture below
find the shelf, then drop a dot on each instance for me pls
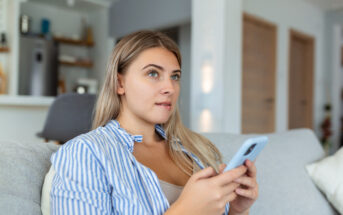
(73, 41)
(77, 64)
(6, 100)
(4, 49)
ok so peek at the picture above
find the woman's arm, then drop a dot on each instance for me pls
(79, 185)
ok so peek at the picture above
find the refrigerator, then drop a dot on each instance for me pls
(38, 66)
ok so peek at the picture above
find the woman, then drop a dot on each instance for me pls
(139, 158)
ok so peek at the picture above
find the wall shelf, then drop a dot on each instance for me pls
(84, 64)
(4, 49)
(71, 41)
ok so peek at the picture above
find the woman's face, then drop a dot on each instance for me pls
(150, 88)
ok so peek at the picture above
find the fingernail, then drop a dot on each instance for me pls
(238, 190)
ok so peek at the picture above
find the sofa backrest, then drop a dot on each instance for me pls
(284, 185)
(23, 166)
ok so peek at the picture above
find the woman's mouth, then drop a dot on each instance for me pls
(166, 105)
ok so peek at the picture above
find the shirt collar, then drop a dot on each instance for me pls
(139, 138)
(134, 138)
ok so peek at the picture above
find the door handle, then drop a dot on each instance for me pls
(269, 100)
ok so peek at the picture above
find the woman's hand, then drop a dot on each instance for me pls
(207, 192)
(247, 192)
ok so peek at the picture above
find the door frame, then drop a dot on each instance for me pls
(274, 27)
(309, 71)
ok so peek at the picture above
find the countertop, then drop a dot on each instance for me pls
(8, 100)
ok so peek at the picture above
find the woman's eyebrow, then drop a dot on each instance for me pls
(159, 67)
(154, 65)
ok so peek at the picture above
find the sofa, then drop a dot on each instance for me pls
(285, 187)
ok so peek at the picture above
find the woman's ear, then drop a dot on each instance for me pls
(120, 88)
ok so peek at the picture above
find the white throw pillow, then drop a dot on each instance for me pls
(45, 200)
(327, 174)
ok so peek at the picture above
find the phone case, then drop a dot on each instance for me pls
(242, 154)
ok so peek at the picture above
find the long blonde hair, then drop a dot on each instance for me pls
(108, 103)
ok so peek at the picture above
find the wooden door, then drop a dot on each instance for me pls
(300, 95)
(258, 78)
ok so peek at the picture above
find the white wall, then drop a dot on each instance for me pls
(224, 24)
(306, 18)
(133, 15)
(69, 23)
(66, 22)
(21, 123)
(104, 44)
(127, 16)
(13, 38)
(334, 42)
(216, 66)
(22, 119)
(4, 28)
(63, 22)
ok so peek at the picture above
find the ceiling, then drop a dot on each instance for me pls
(328, 4)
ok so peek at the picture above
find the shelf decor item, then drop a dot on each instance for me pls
(25, 24)
(3, 40)
(89, 36)
(2, 81)
(45, 27)
(326, 128)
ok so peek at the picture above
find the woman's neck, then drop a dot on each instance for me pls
(140, 127)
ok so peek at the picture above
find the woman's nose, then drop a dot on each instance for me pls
(167, 86)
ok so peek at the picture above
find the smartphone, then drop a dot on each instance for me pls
(248, 151)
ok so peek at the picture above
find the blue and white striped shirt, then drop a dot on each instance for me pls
(96, 173)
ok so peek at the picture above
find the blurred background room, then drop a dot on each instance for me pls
(249, 66)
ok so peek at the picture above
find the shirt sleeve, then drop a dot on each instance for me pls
(80, 185)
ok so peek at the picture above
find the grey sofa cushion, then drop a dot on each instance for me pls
(284, 185)
(22, 170)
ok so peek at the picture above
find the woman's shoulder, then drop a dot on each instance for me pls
(95, 142)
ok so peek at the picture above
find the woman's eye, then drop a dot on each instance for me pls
(176, 77)
(153, 74)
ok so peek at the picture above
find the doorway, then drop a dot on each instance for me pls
(300, 97)
(258, 77)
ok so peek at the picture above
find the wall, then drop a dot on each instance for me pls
(4, 28)
(13, 38)
(104, 43)
(216, 66)
(334, 42)
(185, 95)
(22, 123)
(131, 15)
(66, 22)
(63, 22)
(306, 18)
(21, 117)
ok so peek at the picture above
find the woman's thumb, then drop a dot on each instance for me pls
(222, 167)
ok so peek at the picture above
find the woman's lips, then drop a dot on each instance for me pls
(166, 105)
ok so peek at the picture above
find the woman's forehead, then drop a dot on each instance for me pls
(157, 56)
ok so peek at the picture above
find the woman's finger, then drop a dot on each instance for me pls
(204, 173)
(229, 176)
(246, 181)
(252, 171)
(232, 196)
(229, 188)
(248, 193)
(222, 167)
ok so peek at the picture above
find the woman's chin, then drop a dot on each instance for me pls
(160, 119)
